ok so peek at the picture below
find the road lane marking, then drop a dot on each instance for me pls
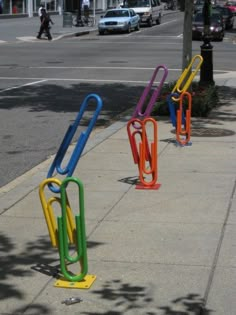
(63, 79)
(221, 73)
(20, 86)
(95, 68)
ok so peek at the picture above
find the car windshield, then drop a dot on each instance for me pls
(136, 3)
(222, 10)
(214, 18)
(198, 18)
(117, 13)
(200, 2)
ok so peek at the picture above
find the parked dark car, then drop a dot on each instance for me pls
(198, 5)
(228, 16)
(216, 27)
(232, 6)
(170, 4)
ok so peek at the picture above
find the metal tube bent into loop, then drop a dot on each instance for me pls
(49, 215)
(186, 129)
(145, 106)
(81, 247)
(152, 162)
(187, 76)
(70, 167)
(172, 107)
(133, 138)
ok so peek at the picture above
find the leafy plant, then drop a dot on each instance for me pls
(203, 100)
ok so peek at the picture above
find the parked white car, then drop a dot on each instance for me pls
(150, 11)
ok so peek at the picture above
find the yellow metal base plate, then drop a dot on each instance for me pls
(86, 283)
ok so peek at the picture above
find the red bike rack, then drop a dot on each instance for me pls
(184, 129)
(145, 153)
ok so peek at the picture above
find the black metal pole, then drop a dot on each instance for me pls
(206, 70)
(79, 21)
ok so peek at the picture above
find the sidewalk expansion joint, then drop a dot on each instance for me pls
(217, 253)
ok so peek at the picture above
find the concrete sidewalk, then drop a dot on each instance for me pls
(26, 29)
(163, 252)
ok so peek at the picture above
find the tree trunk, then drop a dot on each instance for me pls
(187, 34)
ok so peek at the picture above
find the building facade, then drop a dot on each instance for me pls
(30, 7)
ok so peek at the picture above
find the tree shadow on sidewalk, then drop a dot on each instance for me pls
(139, 299)
(17, 267)
(14, 265)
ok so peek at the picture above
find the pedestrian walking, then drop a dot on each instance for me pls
(45, 25)
(42, 7)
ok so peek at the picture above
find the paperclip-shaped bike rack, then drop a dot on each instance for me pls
(70, 167)
(133, 136)
(144, 107)
(172, 108)
(81, 247)
(144, 154)
(187, 76)
(49, 215)
(69, 230)
(184, 130)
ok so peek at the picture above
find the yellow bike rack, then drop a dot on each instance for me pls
(187, 76)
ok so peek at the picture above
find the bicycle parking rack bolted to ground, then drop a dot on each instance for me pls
(145, 153)
(180, 115)
(69, 231)
(68, 170)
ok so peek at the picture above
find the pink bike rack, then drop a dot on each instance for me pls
(141, 109)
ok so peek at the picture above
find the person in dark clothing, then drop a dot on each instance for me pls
(45, 25)
(40, 14)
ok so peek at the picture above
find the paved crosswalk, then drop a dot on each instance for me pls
(25, 39)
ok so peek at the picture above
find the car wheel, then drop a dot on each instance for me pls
(137, 28)
(150, 22)
(101, 32)
(129, 29)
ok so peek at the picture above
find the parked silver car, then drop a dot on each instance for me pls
(119, 20)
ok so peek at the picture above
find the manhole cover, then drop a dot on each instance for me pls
(118, 61)
(54, 62)
(209, 132)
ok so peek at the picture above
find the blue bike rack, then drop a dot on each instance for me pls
(70, 167)
(172, 109)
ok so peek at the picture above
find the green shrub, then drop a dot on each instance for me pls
(203, 100)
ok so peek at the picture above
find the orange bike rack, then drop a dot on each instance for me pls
(184, 129)
(137, 124)
(144, 154)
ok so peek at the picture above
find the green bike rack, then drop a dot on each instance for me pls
(81, 280)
